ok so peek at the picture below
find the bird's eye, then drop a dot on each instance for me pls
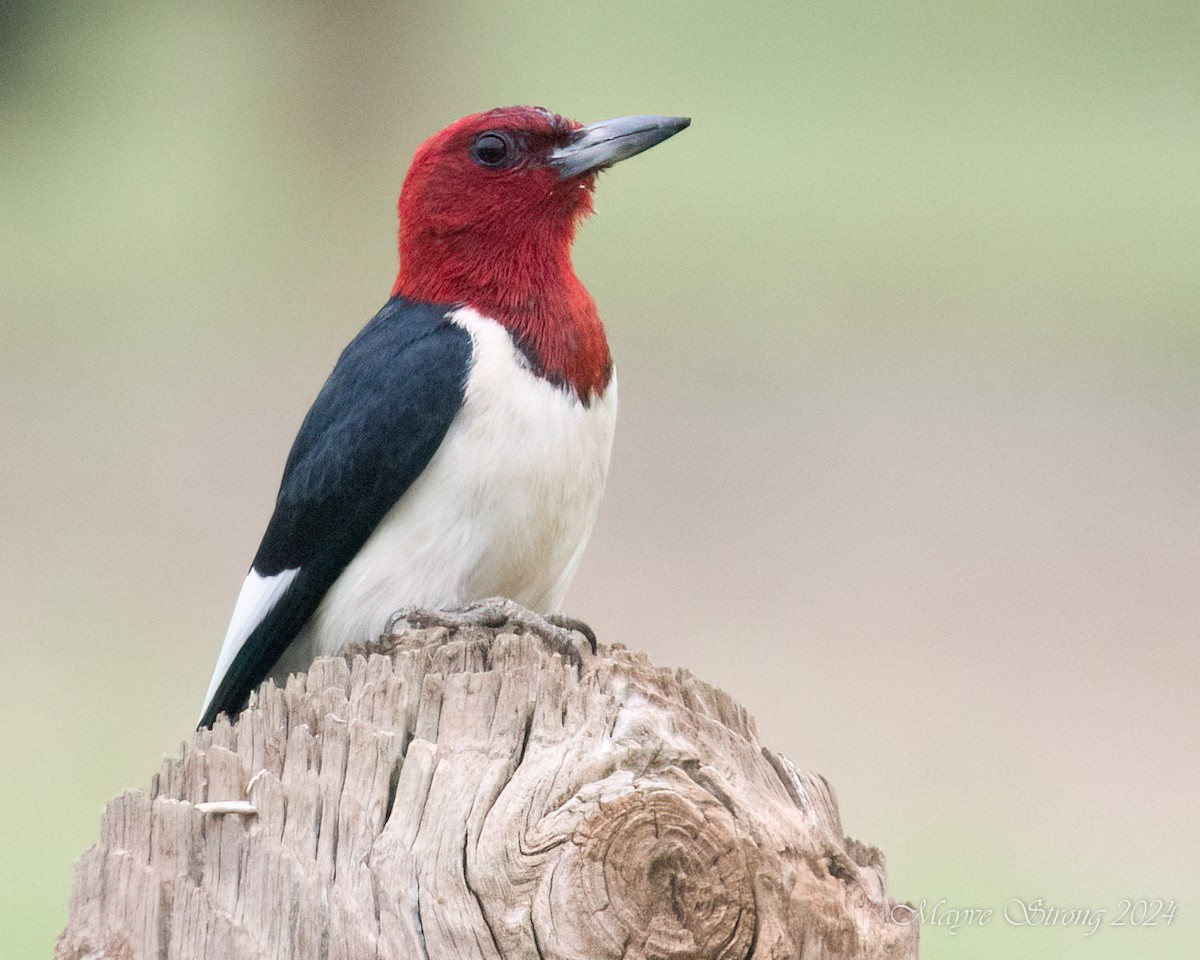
(493, 150)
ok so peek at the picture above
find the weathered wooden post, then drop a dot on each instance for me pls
(475, 793)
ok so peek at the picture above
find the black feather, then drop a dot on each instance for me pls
(373, 428)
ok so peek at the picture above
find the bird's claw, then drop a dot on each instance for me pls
(575, 625)
(554, 629)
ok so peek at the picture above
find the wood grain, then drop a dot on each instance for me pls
(476, 793)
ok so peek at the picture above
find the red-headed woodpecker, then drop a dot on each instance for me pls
(459, 449)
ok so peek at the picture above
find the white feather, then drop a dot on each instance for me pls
(259, 594)
(504, 508)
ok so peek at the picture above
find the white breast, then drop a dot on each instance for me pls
(504, 508)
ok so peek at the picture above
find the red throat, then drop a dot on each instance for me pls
(531, 289)
(501, 244)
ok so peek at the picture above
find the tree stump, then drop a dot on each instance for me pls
(479, 793)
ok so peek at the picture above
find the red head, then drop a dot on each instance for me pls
(487, 215)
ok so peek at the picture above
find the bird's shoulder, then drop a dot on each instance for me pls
(404, 346)
(373, 427)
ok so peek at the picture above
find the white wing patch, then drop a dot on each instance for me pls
(259, 594)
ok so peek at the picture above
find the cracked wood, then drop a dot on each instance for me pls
(474, 793)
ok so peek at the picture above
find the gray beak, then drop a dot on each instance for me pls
(602, 144)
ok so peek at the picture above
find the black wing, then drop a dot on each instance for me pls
(371, 431)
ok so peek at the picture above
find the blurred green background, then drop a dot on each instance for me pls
(907, 328)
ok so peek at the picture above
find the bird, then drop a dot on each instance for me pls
(460, 446)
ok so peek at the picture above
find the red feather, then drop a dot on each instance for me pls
(500, 241)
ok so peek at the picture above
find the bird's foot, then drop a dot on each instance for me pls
(555, 629)
(575, 625)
